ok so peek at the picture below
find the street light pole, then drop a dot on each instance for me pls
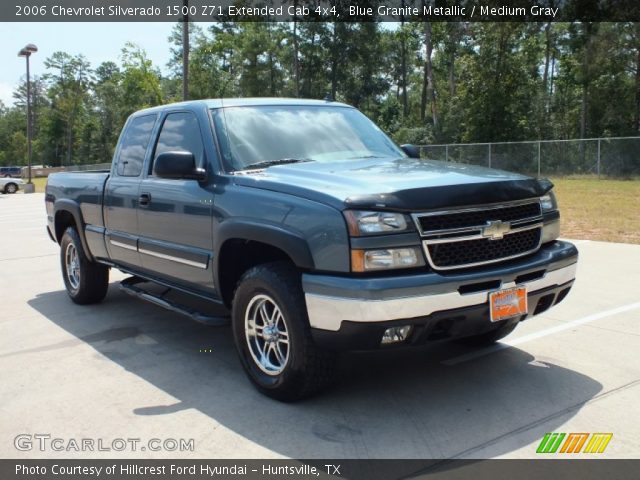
(28, 119)
(26, 52)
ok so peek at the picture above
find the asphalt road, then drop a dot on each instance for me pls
(126, 369)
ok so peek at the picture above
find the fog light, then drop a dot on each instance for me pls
(396, 334)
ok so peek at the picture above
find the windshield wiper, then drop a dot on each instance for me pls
(271, 163)
(365, 156)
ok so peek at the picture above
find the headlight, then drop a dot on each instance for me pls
(548, 202)
(371, 223)
(384, 259)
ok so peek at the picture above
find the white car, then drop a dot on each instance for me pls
(10, 185)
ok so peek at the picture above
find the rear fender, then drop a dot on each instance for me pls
(69, 206)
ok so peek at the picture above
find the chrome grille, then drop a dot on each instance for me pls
(470, 218)
(469, 237)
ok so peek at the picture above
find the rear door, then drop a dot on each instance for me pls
(175, 221)
(122, 191)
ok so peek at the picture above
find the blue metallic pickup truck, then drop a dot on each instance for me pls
(312, 231)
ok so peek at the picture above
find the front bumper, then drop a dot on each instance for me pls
(352, 313)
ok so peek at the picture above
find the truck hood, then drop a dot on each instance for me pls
(403, 184)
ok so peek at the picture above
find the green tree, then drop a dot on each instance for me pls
(140, 86)
(69, 80)
(108, 112)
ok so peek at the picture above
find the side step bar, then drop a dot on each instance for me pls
(129, 285)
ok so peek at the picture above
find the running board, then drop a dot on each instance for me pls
(129, 285)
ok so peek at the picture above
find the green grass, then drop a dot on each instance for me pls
(40, 183)
(592, 209)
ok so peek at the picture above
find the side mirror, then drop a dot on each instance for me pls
(411, 150)
(177, 165)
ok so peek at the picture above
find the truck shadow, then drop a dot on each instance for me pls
(394, 404)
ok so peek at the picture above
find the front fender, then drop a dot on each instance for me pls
(290, 242)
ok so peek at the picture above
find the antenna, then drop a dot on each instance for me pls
(224, 87)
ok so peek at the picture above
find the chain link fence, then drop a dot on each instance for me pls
(616, 157)
(40, 171)
(82, 168)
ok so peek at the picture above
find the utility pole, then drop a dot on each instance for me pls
(185, 50)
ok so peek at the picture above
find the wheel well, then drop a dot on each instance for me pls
(236, 256)
(63, 220)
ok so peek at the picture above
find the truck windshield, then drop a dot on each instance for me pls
(259, 136)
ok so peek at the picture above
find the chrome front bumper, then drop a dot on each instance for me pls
(392, 299)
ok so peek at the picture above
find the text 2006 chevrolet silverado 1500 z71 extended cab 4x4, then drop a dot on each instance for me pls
(313, 229)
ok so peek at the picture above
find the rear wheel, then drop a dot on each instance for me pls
(272, 334)
(86, 282)
(10, 188)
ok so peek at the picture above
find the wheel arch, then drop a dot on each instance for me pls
(242, 245)
(67, 214)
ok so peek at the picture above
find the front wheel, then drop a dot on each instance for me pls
(86, 281)
(272, 334)
(10, 188)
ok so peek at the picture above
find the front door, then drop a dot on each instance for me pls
(174, 216)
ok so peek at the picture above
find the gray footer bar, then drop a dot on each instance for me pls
(543, 468)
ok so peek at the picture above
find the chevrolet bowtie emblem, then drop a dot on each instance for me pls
(495, 230)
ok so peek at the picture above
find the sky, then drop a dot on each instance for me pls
(96, 41)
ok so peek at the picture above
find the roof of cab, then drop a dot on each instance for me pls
(242, 102)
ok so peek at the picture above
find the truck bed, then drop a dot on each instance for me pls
(84, 188)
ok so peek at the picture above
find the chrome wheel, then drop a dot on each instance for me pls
(11, 188)
(72, 264)
(266, 334)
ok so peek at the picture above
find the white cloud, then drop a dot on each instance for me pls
(6, 93)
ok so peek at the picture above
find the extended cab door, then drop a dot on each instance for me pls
(122, 188)
(174, 215)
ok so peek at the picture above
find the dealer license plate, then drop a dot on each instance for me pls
(508, 303)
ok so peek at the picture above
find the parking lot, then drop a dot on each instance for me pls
(128, 369)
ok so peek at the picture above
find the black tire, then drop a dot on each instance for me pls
(307, 369)
(491, 337)
(88, 283)
(10, 188)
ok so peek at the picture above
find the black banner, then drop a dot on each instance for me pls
(318, 10)
(584, 469)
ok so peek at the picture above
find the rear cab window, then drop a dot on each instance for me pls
(133, 146)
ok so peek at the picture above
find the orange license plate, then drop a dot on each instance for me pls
(508, 303)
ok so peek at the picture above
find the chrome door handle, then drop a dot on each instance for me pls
(144, 199)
